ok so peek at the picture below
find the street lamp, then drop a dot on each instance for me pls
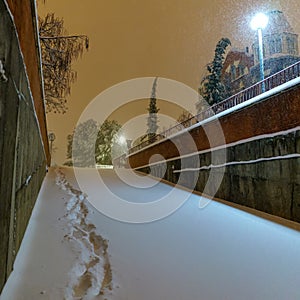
(259, 22)
(51, 137)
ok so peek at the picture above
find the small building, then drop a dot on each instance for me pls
(280, 46)
(236, 70)
(280, 49)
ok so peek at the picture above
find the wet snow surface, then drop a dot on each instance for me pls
(71, 251)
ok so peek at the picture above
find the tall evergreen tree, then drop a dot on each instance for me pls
(153, 110)
(211, 88)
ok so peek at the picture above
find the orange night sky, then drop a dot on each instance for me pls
(129, 39)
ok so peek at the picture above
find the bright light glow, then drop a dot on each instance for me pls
(122, 140)
(259, 21)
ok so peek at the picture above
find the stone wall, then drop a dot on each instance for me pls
(22, 155)
(263, 174)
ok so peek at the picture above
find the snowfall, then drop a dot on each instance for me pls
(71, 250)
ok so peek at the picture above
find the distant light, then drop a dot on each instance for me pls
(122, 139)
(104, 166)
(259, 21)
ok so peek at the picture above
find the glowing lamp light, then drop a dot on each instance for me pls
(122, 139)
(259, 21)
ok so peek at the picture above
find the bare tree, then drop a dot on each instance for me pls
(186, 119)
(107, 145)
(59, 50)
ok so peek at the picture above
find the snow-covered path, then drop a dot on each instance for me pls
(71, 251)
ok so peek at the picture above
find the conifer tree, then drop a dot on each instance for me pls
(211, 88)
(153, 110)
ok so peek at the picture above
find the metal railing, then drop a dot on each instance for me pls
(267, 84)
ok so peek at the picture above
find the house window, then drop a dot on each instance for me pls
(291, 45)
(275, 46)
(241, 70)
(233, 72)
(278, 45)
(272, 47)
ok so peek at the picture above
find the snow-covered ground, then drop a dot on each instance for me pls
(71, 251)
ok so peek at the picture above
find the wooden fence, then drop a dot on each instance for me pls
(22, 154)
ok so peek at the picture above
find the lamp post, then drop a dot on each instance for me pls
(259, 22)
(51, 137)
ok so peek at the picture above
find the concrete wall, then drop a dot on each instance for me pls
(262, 143)
(22, 155)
